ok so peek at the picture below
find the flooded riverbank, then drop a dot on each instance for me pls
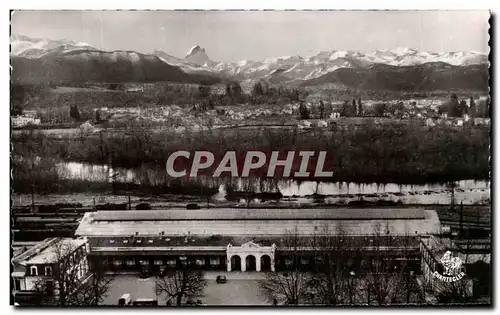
(301, 192)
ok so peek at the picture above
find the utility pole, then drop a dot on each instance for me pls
(461, 217)
(33, 197)
(477, 216)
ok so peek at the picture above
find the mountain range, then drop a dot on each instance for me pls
(65, 61)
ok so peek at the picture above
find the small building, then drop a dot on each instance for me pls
(87, 127)
(335, 115)
(468, 275)
(429, 122)
(41, 263)
(23, 121)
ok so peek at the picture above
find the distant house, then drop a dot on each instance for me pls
(481, 121)
(23, 121)
(322, 123)
(429, 122)
(87, 127)
(335, 115)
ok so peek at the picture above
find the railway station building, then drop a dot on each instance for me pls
(235, 239)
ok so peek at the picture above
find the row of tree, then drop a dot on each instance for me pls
(454, 108)
(344, 272)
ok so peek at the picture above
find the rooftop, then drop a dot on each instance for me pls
(258, 222)
(55, 251)
(260, 214)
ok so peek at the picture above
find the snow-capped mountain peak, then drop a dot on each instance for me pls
(400, 51)
(195, 49)
(277, 69)
(36, 47)
(197, 55)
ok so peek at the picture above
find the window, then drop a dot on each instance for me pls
(130, 262)
(139, 241)
(48, 271)
(158, 262)
(214, 261)
(150, 241)
(125, 241)
(171, 262)
(34, 271)
(117, 262)
(200, 262)
(111, 241)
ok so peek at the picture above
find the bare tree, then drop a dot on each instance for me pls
(384, 280)
(289, 287)
(71, 282)
(182, 285)
(334, 257)
(96, 287)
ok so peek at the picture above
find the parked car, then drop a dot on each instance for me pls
(126, 299)
(145, 272)
(221, 279)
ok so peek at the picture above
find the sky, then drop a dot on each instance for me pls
(256, 35)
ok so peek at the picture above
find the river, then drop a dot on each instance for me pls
(466, 191)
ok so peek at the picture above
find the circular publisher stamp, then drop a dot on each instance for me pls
(452, 268)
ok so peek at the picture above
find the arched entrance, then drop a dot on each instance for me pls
(265, 263)
(250, 263)
(236, 263)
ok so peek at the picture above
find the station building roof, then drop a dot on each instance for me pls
(259, 222)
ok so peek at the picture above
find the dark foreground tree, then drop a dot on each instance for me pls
(321, 109)
(303, 111)
(74, 112)
(182, 285)
(291, 286)
(335, 258)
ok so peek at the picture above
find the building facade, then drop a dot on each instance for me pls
(253, 239)
(41, 264)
